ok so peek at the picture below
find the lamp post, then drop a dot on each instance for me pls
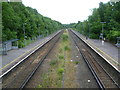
(38, 29)
(102, 33)
(83, 29)
(88, 29)
(46, 31)
(102, 28)
(24, 31)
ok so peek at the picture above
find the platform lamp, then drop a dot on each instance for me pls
(102, 28)
(82, 28)
(88, 29)
(24, 32)
(102, 33)
(38, 29)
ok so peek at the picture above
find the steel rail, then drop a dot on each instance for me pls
(99, 63)
(27, 77)
(92, 70)
(97, 52)
(36, 68)
(90, 67)
(18, 63)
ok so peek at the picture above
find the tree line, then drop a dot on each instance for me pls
(106, 17)
(21, 22)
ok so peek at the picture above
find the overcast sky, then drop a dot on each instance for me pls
(64, 11)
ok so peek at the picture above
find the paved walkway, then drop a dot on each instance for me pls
(13, 56)
(108, 51)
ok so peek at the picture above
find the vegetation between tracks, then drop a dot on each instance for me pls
(62, 70)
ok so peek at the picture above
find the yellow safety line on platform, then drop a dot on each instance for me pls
(102, 51)
(20, 56)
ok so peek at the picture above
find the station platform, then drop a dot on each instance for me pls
(14, 56)
(107, 50)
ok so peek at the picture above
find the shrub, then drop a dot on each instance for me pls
(53, 62)
(60, 70)
(94, 36)
(112, 35)
(61, 57)
(21, 44)
(66, 48)
(76, 62)
(60, 50)
(39, 86)
(65, 37)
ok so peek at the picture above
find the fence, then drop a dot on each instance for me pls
(8, 45)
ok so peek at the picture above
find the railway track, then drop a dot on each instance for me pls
(20, 75)
(102, 77)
